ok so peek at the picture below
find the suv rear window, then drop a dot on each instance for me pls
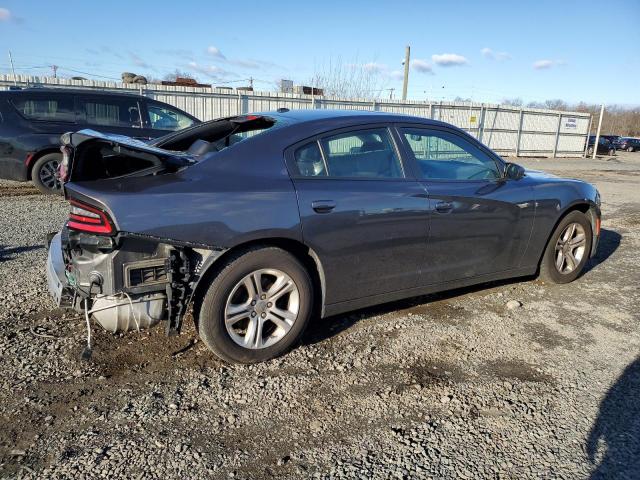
(49, 108)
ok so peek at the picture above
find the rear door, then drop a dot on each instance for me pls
(118, 114)
(480, 221)
(363, 215)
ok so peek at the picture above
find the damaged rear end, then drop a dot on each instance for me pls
(124, 280)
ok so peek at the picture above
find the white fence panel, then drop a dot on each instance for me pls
(506, 129)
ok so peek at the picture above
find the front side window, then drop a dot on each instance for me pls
(111, 112)
(162, 118)
(446, 156)
(48, 108)
(361, 154)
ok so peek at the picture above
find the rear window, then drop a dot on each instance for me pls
(46, 108)
(217, 135)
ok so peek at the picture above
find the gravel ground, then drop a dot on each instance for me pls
(509, 380)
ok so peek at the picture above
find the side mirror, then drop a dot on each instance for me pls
(513, 171)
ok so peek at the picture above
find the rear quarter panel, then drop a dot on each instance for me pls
(238, 195)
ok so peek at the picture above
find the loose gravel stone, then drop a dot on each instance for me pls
(444, 386)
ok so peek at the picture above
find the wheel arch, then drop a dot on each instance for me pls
(299, 250)
(587, 207)
(37, 156)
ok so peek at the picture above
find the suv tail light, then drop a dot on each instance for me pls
(86, 218)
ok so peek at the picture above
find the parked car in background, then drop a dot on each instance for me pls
(605, 146)
(630, 144)
(32, 120)
(261, 221)
(614, 139)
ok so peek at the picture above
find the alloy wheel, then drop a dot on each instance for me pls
(261, 308)
(570, 248)
(48, 175)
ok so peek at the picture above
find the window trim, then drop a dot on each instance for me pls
(410, 156)
(407, 174)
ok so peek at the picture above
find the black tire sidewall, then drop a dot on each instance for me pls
(35, 173)
(211, 318)
(549, 267)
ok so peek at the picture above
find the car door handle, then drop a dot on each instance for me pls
(323, 206)
(444, 207)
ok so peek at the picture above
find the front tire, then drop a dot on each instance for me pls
(629, 149)
(590, 151)
(612, 152)
(257, 307)
(44, 174)
(568, 249)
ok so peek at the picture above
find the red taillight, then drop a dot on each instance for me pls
(86, 218)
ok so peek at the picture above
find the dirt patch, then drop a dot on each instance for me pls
(515, 369)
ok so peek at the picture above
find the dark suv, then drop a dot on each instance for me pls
(32, 120)
(605, 146)
(629, 144)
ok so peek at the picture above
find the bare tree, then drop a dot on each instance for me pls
(513, 102)
(171, 77)
(351, 80)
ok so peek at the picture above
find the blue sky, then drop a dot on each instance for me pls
(487, 51)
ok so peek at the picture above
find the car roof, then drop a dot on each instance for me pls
(359, 116)
(70, 91)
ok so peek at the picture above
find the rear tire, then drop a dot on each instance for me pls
(590, 151)
(245, 318)
(612, 152)
(43, 174)
(629, 149)
(568, 249)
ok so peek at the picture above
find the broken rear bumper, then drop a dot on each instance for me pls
(57, 282)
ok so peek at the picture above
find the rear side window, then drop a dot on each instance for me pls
(366, 153)
(111, 112)
(162, 118)
(47, 108)
(309, 161)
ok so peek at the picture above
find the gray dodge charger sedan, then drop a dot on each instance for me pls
(260, 222)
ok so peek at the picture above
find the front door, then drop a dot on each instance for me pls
(366, 221)
(480, 221)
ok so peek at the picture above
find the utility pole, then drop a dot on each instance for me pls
(595, 145)
(391, 93)
(407, 56)
(251, 82)
(15, 82)
(55, 70)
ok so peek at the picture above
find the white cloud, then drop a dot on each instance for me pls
(374, 67)
(5, 15)
(489, 53)
(546, 64)
(139, 62)
(396, 74)
(211, 71)
(215, 51)
(449, 59)
(421, 66)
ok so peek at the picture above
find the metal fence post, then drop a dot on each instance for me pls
(555, 145)
(431, 110)
(586, 140)
(519, 132)
(481, 122)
